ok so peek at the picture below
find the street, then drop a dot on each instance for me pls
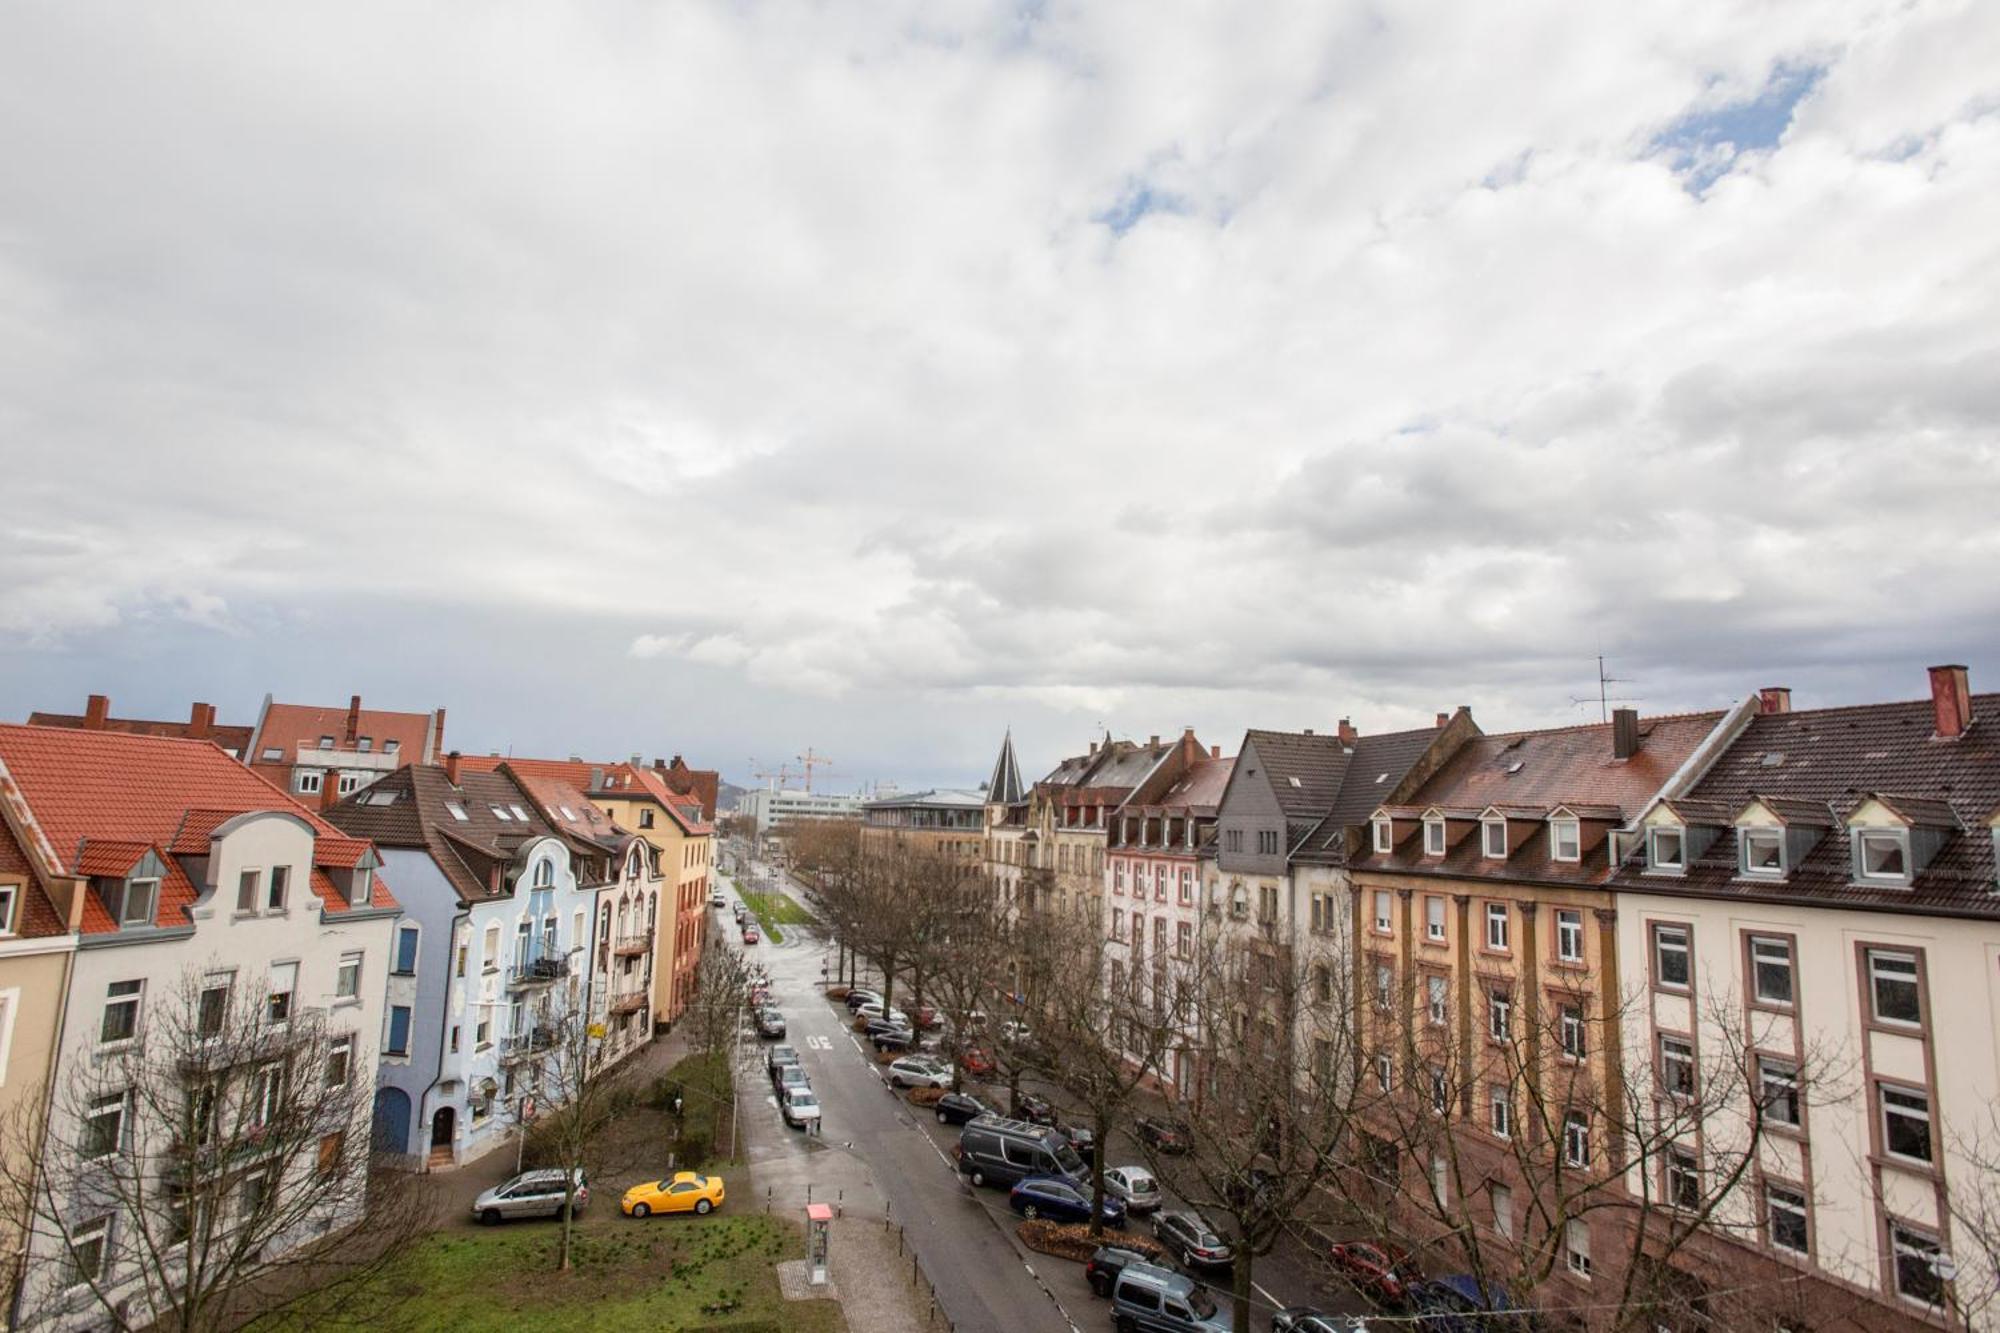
(873, 1142)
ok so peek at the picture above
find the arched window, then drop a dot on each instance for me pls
(545, 873)
(635, 864)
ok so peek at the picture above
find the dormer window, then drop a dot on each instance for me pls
(1565, 840)
(1882, 855)
(1434, 837)
(131, 901)
(545, 872)
(1763, 851)
(326, 742)
(1493, 838)
(364, 885)
(1383, 842)
(1666, 850)
(365, 744)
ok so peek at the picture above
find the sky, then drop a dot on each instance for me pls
(731, 378)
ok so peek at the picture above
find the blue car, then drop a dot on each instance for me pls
(1060, 1200)
(1459, 1304)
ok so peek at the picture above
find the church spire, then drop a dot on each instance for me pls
(1004, 787)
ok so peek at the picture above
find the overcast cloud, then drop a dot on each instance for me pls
(729, 378)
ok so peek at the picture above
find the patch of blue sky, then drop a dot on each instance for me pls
(1135, 204)
(1704, 145)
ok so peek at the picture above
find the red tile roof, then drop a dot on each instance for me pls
(294, 728)
(104, 856)
(88, 788)
(625, 780)
(37, 918)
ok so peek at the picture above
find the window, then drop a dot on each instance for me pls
(1785, 1215)
(463, 950)
(1882, 854)
(103, 1126)
(1440, 1090)
(399, 1030)
(281, 884)
(545, 872)
(347, 981)
(10, 897)
(1441, 1179)
(326, 742)
(1118, 877)
(1778, 1090)
(1906, 1122)
(246, 890)
(309, 783)
(135, 907)
(491, 963)
(87, 1244)
(1576, 1246)
(1385, 984)
(645, 818)
(1569, 935)
(1763, 851)
(1683, 1179)
(1576, 1139)
(331, 1148)
(1439, 991)
(519, 813)
(391, 746)
(1267, 842)
(1160, 934)
(1382, 840)
(1433, 837)
(1385, 1071)
(349, 783)
(1565, 840)
(1666, 849)
(212, 1008)
(1503, 1210)
(1671, 965)
(1382, 918)
(456, 811)
(482, 1033)
(1187, 888)
(121, 1011)
(1500, 1112)
(339, 1061)
(1918, 1258)
(284, 981)
(1771, 970)
(456, 1030)
(1496, 926)
(365, 744)
(1493, 838)
(1499, 1015)
(1434, 918)
(1571, 1019)
(1676, 1066)
(1893, 989)
(1117, 923)
(406, 950)
(364, 884)
(267, 1094)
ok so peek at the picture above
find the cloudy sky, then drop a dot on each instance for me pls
(735, 377)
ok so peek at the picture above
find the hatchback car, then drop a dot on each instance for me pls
(856, 998)
(874, 1009)
(920, 1071)
(716, 900)
(1192, 1241)
(530, 1194)
(1460, 1303)
(893, 1039)
(750, 935)
(800, 1107)
(1060, 1200)
(790, 1076)
(1167, 1136)
(1382, 1273)
(1106, 1264)
(770, 1023)
(955, 1108)
(777, 1057)
(686, 1192)
(1136, 1186)
(1035, 1110)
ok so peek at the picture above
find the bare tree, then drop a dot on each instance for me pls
(966, 966)
(216, 1162)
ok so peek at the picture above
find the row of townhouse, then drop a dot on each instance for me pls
(158, 895)
(1698, 965)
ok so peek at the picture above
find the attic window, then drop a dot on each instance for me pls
(366, 744)
(455, 810)
(1565, 840)
(519, 813)
(1772, 759)
(391, 746)
(1763, 851)
(1381, 778)
(1516, 766)
(1882, 856)
(326, 742)
(1493, 836)
(273, 755)
(1433, 837)
(566, 813)
(1382, 841)
(132, 901)
(1666, 849)
(1295, 782)
(500, 813)
(379, 798)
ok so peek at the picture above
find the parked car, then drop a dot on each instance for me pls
(1015, 1032)
(1167, 1136)
(770, 1023)
(530, 1194)
(993, 1151)
(1080, 1138)
(717, 900)
(686, 1192)
(1036, 1110)
(920, 1071)
(858, 997)
(875, 1025)
(955, 1108)
(874, 1009)
(1136, 1186)
(750, 935)
(928, 1017)
(800, 1107)
(1382, 1273)
(777, 1056)
(1193, 1241)
(1106, 1264)
(1305, 1319)
(790, 1076)
(1060, 1199)
(1149, 1299)
(1459, 1303)
(893, 1039)
(975, 1061)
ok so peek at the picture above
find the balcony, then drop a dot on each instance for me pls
(537, 972)
(631, 946)
(630, 1003)
(526, 1045)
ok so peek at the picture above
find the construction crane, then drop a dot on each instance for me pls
(811, 761)
(778, 779)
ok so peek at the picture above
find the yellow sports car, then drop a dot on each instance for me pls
(687, 1192)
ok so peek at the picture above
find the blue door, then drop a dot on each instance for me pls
(392, 1120)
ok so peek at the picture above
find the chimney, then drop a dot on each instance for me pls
(437, 737)
(1093, 747)
(1152, 742)
(1442, 719)
(95, 710)
(1951, 701)
(596, 778)
(638, 761)
(201, 720)
(353, 719)
(1774, 699)
(451, 768)
(1308, 731)
(1215, 752)
(1348, 735)
(1624, 732)
(659, 765)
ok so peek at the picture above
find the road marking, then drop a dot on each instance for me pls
(819, 1043)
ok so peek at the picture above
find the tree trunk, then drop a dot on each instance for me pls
(1240, 1288)
(568, 1222)
(1100, 1126)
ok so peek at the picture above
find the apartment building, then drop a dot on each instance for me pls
(321, 755)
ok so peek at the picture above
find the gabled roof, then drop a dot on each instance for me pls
(1795, 810)
(629, 780)
(1690, 810)
(296, 729)
(1377, 764)
(419, 817)
(622, 781)
(1199, 790)
(37, 917)
(1926, 811)
(1305, 770)
(1004, 787)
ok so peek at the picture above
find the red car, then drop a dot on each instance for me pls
(749, 936)
(976, 1062)
(1382, 1273)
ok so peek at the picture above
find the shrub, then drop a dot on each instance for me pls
(1072, 1240)
(925, 1096)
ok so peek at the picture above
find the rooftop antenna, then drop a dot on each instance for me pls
(1605, 698)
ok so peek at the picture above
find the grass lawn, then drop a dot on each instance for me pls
(774, 910)
(666, 1273)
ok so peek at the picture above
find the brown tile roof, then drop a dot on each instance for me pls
(199, 726)
(1200, 788)
(1377, 765)
(419, 818)
(1834, 758)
